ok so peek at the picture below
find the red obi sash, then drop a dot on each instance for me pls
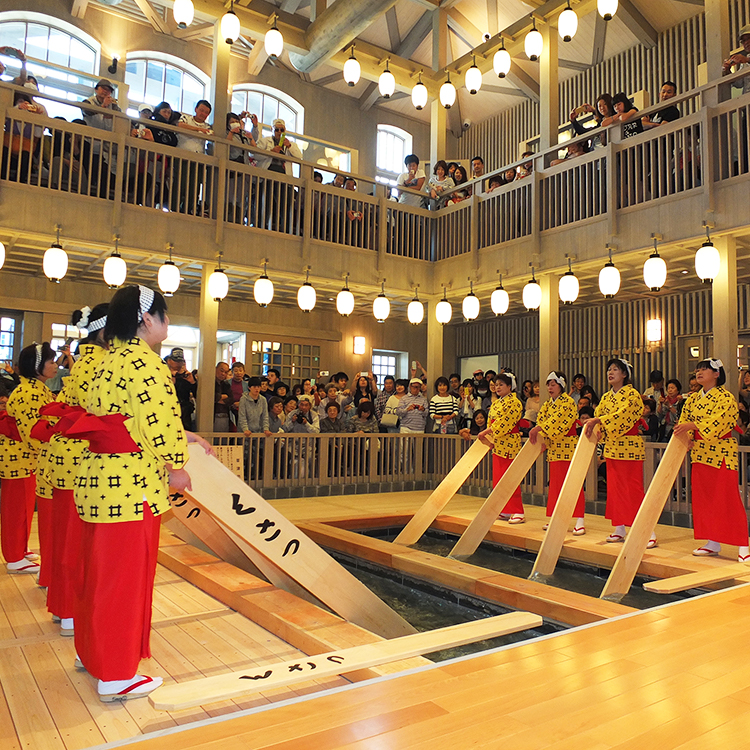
(634, 429)
(67, 416)
(106, 434)
(522, 423)
(9, 427)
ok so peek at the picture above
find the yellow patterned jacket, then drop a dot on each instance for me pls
(17, 461)
(715, 415)
(132, 380)
(64, 455)
(556, 418)
(619, 413)
(502, 418)
(24, 404)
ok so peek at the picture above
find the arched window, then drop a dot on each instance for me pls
(269, 103)
(154, 77)
(392, 146)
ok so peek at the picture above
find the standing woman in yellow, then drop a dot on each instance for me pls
(618, 415)
(36, 365)
(711, 415)
(556, 423)
(503, 435)
(122, 491)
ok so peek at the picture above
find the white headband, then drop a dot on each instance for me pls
(554, 376)
(715, 364)
(97, 324)
(84, 321)
(628, 366)
(38, 356)
(145, 300)
(513, 378)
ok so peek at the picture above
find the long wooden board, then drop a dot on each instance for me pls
(239, 684)
(549, 552)
(621, 578)
(235, 505)
(442, 494)
(487, 515)
(698, 579)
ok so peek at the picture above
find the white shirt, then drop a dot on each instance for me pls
(409, 198)
(190, 142)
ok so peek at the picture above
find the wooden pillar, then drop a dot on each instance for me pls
(724, 308)
(549, 337)
(718, 42)
(219, 80)
(434, 364)
(209, 328)
(438, 113)
(549, 92)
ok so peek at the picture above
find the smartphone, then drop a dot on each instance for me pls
(414, 364)
(582, 110)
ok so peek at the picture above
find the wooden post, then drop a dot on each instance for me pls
(724, 308)
(209, 327)
(549, 326)
(549, 91)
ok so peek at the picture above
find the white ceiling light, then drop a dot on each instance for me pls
(419, 93)
(443, 310)
(2, 254)
(609, 278)
(387, 82)
(306, 296)
(654, 271)
(183, 12)
(607, 8)
(533, 43)
(500, 299)
(115, 269)
(707, 260)
(218, 283)
(230, 26)
(448, 93)
(345, 300)
(381, 306)
(567, 24)
(568, 287)
(532, 293)
(55, 263)
(168, 277)
(263, 288)
(415, 311)
(473, 79)
(273, 41)
(352, 70)
(470, 305)
(501, 61)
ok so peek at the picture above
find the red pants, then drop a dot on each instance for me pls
(66, 566)
(17, 500)
(624, 491)
(718, 512)
(557, 473)
(499, 467)
(113, 620)
(45, 525)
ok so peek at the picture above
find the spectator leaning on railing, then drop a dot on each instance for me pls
(739, 60)
(413, 178)
(667, 114)
(412, 409)
(103, 163)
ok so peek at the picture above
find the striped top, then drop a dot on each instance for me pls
(442, 406)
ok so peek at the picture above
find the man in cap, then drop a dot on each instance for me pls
(412, 409)
(192, 174)
(103, 163)
(739, 59)
(185, 385)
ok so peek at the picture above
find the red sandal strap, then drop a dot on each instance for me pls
(135, 685)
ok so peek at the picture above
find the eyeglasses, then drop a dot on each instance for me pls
(278, 130)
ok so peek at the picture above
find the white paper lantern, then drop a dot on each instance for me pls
(183, 12)
(500, 301)
(567, 24)
(533, 44)
(607, 8)
(532, 295)
(263, 290)
(273, 42)
(470, 305)
(386, 84)
(568, 288)
(707, 262)
(55, 263)
(473, 79)
(419, 94)
(345, 302)
(230, 27)
(115, 271)
(415, 312)
(306, 297)
(352, 70)
(2, 254)
(448, 94)
(169, 278)
(654, 272)
(501, 62)
(381, 307)
(218, 285)
(443, 311)
(609, 280)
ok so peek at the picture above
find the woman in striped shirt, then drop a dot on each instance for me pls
(443, 408)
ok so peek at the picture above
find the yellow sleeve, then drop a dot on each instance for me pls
(30, 397)
(618, 414)
(686, 415)
(505, 417)
(556, 418)
(718, 418)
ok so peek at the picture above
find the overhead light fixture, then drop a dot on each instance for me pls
(419, 93)
(381, 306)
(501, 61)
(169, 275)
(609, 278)
(2, 255)
(230, 26)
(473, 79)
(273, 41)
(183, 12)
(567, 24)
(568, 286)
(533, 43)
(415, 310)
(306, 296)
(532, 293)
(448, 92)
(470, 305)
(387, 82)
(352, 70)
(654, 270)
(263, 288)
(360, 345)
(218, 283)
(607, 8)
(707, 260)
(500, 299)
(115, 269)
(55, 263)
(443, 310)
(653, 330)
(345, 300)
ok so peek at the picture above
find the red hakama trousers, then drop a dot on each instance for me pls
(45, 525)
(17, 498)
(557, 473)
(718, 512)
(624, 491)
(499, 467)
(113, 619)
(66, 565)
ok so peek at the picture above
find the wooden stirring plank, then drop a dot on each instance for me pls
(696, 580)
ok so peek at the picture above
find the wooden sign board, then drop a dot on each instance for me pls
(233, 457)
(254, 679)
(698, 579)
(488, 513)
(442, 494)
(549, 552)
(238, 507)
(626, 566)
